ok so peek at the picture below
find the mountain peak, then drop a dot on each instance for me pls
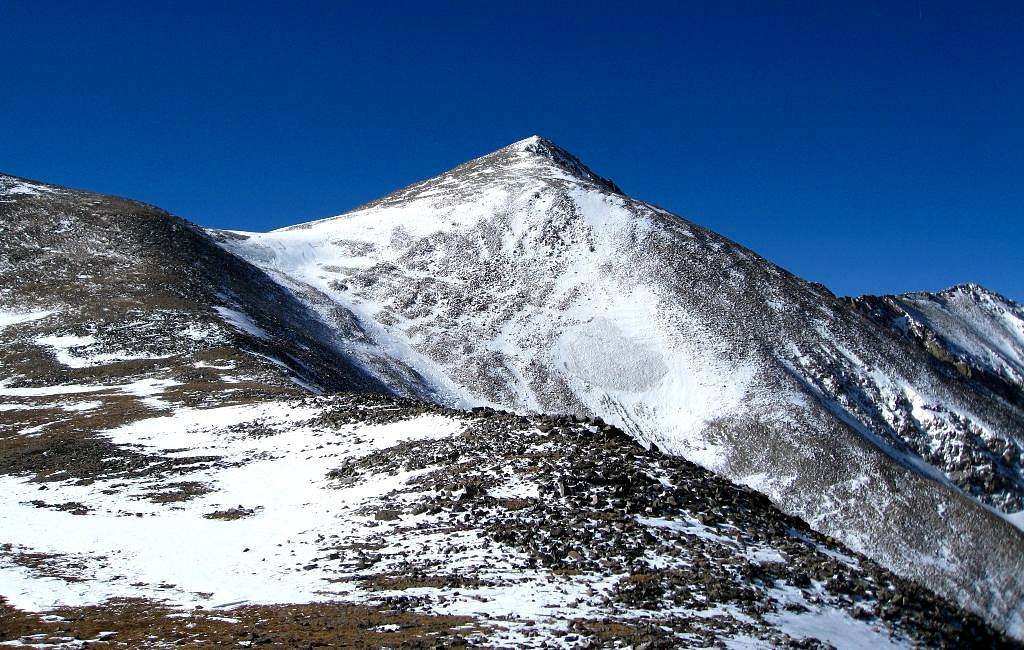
(541, 149)
(974, 290)
(538, 144)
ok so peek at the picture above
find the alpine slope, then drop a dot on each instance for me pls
(192, 456)
(525, 281)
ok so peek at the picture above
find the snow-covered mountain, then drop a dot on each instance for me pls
(167, 478)
(152, 387)
(524, 280)
(976, 331)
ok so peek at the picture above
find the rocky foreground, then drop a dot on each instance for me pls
(372, 521)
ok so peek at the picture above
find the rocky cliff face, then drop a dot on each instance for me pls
(524, 280)
(979, 335)
(976, 332)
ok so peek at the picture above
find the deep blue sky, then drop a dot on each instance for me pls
(871, 148)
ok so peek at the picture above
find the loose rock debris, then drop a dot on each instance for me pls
(478, 528)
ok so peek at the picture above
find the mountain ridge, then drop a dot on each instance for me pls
(166, 477)
(536, 149)
(517, 285)
(522, 286)
(968, 327)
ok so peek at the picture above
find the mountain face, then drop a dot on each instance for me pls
(978, 333)
(524, 280)
(168, 477)
(161, 449)
(99, 290)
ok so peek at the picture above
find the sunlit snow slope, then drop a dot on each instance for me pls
(523, 279)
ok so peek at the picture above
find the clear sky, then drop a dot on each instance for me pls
(871, 147)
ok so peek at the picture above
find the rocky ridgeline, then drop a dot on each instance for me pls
(673, 540)
(498, 530)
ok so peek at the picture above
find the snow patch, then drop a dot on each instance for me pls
(10, 317)
(242, 321)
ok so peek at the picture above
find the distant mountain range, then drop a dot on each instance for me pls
(522, 282)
